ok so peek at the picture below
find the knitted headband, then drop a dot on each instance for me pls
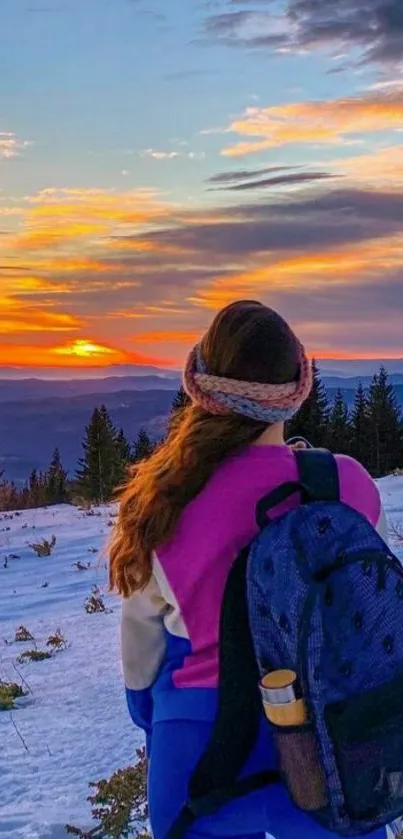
(263, 402)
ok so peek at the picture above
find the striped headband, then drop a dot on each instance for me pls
(262, 402)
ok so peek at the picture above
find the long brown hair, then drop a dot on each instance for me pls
(246, 341)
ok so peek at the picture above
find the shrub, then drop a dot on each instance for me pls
(119, 805)
(397, 531)
(23, 634)
(81, 566)
(44, 548)
(57, 641)
(33, 655)
(95, 602)
(9, 691)
(91, 513)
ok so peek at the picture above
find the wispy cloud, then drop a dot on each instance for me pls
(373, 28)
(245, 174)
(292, 179)
(157, 154)
(11, 145)
(316, 122)
(248, 28)
(380, 168)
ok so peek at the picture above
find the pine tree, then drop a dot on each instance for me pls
(97, 472)
(180, 400)
(312, 419)
(338, 428)
(143, 447)
(359, 428)
(123, 457)
(56, 481)
(385, 426)
(37, 489)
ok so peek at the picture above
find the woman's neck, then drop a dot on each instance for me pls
(272, 436)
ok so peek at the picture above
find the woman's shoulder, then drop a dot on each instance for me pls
(358, 489)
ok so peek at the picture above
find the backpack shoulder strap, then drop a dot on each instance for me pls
(318, 480)
(319, 475)
(215, 781)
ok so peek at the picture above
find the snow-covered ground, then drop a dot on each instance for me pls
(74, 721)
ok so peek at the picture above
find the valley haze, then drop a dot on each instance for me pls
(37, 414)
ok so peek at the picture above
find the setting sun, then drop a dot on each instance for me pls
(84, 349)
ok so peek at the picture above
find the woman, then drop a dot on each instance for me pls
(183, 519)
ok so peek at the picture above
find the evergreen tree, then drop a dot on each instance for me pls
(25, 498)
(385, 426)
(338, 428)
(37, 489)
(97, 472)
(143, 447)
(359, 428)
(180, 400)
(56, 481)
(123, 447)
(312, 419)
(123, 457)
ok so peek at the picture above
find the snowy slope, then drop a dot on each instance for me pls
(74, 723)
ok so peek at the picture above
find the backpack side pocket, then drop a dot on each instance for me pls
(300, 765)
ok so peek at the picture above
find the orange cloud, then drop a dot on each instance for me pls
(306, 271)
(53, 236)
(12, 283)
(96, 249)
(329, 121)
(16, 318)
(381, 168)
(169, 336)
(57, 219)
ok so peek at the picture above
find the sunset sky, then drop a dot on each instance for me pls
(160, 158)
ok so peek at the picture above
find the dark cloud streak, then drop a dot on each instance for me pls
(375, 27)
(246, 174)
(303, 224)
(281, 180)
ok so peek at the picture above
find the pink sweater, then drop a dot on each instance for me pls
(170, 631)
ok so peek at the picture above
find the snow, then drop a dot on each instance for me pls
(74, 722)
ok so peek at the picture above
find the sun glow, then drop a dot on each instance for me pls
(84, 349)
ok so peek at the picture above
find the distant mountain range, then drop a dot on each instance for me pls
(36, 414)
(84, 373)
(13, 390)
(30, 429)
(359, 368)
(341, 368)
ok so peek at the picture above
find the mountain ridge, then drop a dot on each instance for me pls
(31, 428)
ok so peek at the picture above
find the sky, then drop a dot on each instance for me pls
(161, 158)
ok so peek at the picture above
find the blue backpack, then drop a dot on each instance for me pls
(317, 592)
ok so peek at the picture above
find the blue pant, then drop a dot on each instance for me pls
(175, 748)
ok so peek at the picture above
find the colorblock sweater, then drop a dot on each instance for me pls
(170, 631)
